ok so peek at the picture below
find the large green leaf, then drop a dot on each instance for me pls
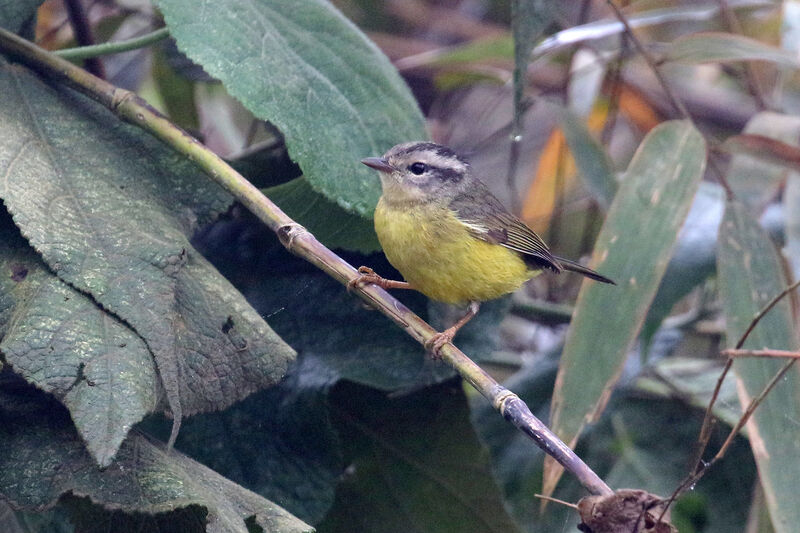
(15, 14)
(750, 275)
(53, 521)
(633, 248)
(416, 463)
(279, 443)
(43, 459)
(268, 166)
(332, 225)
(110, 210)
(312, 73)
(63, 343)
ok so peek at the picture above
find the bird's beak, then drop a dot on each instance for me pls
(378, 163)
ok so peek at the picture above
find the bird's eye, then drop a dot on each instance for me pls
(418, 168)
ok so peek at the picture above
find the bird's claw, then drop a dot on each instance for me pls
(365, 275)
(435, 343)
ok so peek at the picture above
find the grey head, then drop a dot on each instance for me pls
(421, 172)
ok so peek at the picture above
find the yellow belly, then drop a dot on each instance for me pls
(438, 257)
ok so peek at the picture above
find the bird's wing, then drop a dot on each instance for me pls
(488, 220)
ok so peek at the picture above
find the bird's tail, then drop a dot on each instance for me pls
(588, 272)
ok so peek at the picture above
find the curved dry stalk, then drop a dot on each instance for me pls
(768, 353)
(299, 241)
(708, 419)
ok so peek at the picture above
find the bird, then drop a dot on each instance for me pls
(449, 237)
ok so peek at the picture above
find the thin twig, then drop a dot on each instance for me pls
(762, 353)
(85, 52)
(754, 403)
(708, 419)
(615, 82)
(542, 311)
(556, 500)
(766, 309)
(83, 35)
(702, 468)
(676, 103)
(705, 430)
(734, 26)
(131, 108)
(674, 100)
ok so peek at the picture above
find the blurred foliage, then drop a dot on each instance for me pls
(133, 290)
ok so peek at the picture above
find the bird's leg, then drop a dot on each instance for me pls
(435, 343)
(367, 275)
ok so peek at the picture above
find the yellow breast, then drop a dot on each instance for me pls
(441, 259)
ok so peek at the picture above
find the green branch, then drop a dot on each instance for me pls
(541, 311)
(299, 241)
(83, 52)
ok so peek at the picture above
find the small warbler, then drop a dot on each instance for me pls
(449, 237)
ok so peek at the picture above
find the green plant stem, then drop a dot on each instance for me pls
(542, 311)
(297, 240)
(83, 52)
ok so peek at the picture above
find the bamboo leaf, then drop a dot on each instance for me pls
(608, 27)
(634, 247)
(693, 259)
(750, 275)
(714, 47)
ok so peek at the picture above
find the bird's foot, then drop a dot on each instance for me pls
(367, 275)
(435, 343)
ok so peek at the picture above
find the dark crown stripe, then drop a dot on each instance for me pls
(438, 149)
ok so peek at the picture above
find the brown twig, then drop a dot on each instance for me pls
(734, 26)
(708, 419)
(754, 403)
(555, 500)
(676, 103)
(703, 467)
(762, 353)
(83, 35)
(298, 240)
(674, 100)
(705, 429)
(766, 309)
